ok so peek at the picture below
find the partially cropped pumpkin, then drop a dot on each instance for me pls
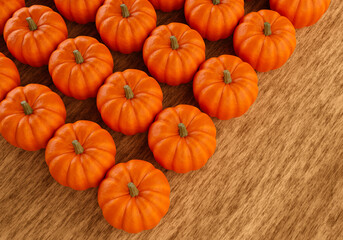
(225, 87)
(167, 6)
(214, 19)
(9, 76)
(182, 138)
(80, 154)
(79, 67)
(33, 33)
(80, 11)
(173, 53)
(30, 115)
(125, 24)
(301, 13)
(129, 101)
(134, 196)
(7, 8)
(265, 40)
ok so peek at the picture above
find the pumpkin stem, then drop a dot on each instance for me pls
(32, 24)
(174, 43)
(134, 192)
(27, 108)
(78, 147)
(78, 57)
(267, 29)
(216, 2)
(128, 92)
(182, 130)
(227, 77)
(124, 11)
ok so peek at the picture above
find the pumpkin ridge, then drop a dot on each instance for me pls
(176, 148)
(153, 204)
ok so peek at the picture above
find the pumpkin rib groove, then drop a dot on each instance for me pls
(176, 149)
(220, 100)
(124, 214)
(158, 209)
(84, 171)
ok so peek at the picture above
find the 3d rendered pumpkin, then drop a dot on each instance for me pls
(80, 154)
(167, 6)
(80, 11)
(33, 33)
(134, 196)
(125, 24)
(173, 53)
(129, 101)
(214, 19)
(30, 115)
(7, 9)
(265, 40)
(301, 13)
(79, 66)
(182, 138)
(9, 76)
(225, 87)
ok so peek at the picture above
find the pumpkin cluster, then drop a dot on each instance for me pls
(134, 196)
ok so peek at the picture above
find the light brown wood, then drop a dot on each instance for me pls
(277, 172)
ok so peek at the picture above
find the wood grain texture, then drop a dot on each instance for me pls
(277, 172)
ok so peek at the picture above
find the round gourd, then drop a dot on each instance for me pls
(301, 13)
(30, 115)
(182, 138)
(173, 53)
(9, 76)
(214, 19)
(225, 87)
(265, 40)
(33, 33)
(129, 101)
(80, 11)
(125, 24)
(134, 196)
(167, 6)
(7, 8)
(79, 67)
(80, 154)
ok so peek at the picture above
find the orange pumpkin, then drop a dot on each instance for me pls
(265, 40)
(225, 87)
(7, 9)
(79, 11)
(9, 76)
(134, 196)
(301, 13)
(33, 33)
(182, 138)
(173, 53)
(79, 67)
(129, 101)
(167, 6)
(215, 19)
(80, 154)
(125, 24)
(30, 115)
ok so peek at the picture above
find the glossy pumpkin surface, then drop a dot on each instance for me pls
(134, 196)
(79, 66)
(7, 9)
(129, 101)
(182, 138)
(9, 76)
(30, 115)
(80, 154)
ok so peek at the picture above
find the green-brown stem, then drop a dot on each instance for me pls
(124, 11)
(27, 108)
(216, 2)
(134, 192)
(182, 130)
(32, 24)
(78, 147)
(267, 29)
(174, 43)
(78, 57)
(227, 77)
(128, 92)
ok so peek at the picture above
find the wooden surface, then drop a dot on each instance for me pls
(277, 172)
